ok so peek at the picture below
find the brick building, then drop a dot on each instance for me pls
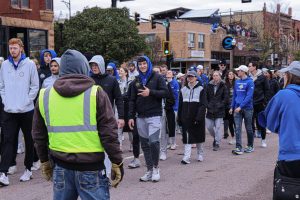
(189, 42)
(30, 20)
(263, 35)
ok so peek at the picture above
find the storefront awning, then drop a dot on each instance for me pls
(194, 60)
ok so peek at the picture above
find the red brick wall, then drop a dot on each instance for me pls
(32, 13)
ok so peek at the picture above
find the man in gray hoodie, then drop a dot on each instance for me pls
(74, 123)
(19, 85)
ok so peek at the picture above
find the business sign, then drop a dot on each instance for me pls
(229, 43)
(197, 54)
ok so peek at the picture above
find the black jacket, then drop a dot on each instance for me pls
(261, 90)
(217, 102)
(151, 105)
(274, 87)
(111, 86)
(170, 100)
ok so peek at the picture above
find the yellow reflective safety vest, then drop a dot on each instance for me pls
(71, 121)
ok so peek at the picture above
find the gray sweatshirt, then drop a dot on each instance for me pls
(18, 87)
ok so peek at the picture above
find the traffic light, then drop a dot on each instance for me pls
(246, 1)
(153, 23)
(166, 48)
(137, 18)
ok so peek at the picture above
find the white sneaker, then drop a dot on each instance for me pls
(26, 176)
(4, 179)
(168, 146)
(147, 176)
(12, 170)
(173, 146)
(200, 158)
(135, 163)
(263, 143)
(155, 174)
(20, 148)
(163, 156)
(232, 142)
(36, 165)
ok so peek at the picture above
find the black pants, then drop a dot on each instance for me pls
(12, 123)
(228, 123)
(257, 109)
(171, 123)
(135, 142)
(35, 156)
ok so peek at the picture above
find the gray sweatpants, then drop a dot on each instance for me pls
(149, 132)
(214, 128)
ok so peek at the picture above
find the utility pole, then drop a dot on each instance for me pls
(113, 3)
(68, 4)
(168, 39)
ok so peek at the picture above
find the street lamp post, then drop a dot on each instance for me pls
(68, 4)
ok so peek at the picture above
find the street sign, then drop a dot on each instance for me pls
(166, 23)
(229, 43)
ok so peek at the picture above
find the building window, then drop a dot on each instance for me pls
(15, 3)
(24, 3)
(201, 41)
(150, 38)
(191, 40)
(20, 3)
(37, 41)
(49, 4)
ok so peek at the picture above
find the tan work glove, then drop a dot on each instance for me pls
(117, 173)
(47, 170)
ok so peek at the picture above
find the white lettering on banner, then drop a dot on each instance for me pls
(198, 54)
(240, 45)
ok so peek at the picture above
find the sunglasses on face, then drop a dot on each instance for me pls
(191, 76)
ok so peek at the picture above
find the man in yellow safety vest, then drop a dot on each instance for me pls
(74, 121)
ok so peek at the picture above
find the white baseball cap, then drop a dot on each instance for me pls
(243, 68)
(293, 68)
(200, 67)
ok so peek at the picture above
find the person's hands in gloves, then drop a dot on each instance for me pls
(117, 173)
(47, 170)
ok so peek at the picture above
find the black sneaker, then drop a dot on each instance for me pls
(214, 143)
(226, 136)
(216, 147)
(237, 151)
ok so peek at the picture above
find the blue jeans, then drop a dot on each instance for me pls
(89, 185)
(238, 119)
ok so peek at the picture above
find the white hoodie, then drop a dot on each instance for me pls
(18, 87)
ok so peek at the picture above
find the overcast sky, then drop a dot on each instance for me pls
(147, 7)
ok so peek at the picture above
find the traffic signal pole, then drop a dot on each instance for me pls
(166, 24)
(168, 39)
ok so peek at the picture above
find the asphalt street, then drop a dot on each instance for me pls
(222, 176)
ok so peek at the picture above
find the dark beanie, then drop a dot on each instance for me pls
(73, 62)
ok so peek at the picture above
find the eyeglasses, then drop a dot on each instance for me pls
(190, 76)
(54, 66)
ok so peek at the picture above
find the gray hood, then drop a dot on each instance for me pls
(100, 62)
(255, 76)
(73, 62)
(57, 59)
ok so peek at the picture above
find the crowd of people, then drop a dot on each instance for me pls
(61, 112)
